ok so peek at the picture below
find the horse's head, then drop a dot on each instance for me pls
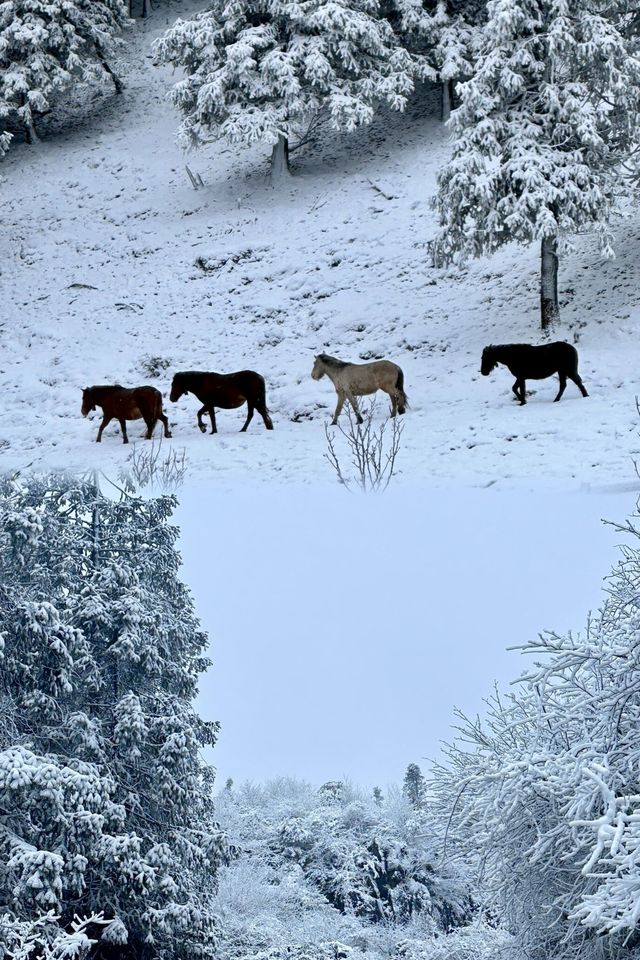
(488, 362)
(88, 403)
(318, 367)
(178, 388)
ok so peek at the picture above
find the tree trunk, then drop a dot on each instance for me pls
(146, 8)
(549, 308)
(117, 82)
(30, 134)
(446, 101)
(280, 159)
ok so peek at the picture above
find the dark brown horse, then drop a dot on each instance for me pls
(527, 362)
(119, 403)
(225, 390)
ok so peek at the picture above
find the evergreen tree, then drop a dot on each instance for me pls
(543, 129)
(263, 70)
(46, 45)
(106, 803)
(414, 786)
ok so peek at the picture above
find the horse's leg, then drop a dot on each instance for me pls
(212, 416)
(264, 413)
(394, 402)
(165, 422)
(339, 407)
(515, 389)
(202, 410)
(523, 392)
(106, 420)
(151, 425)
(123, 427)
(577, 379)
(249, 416)
(563, 385)
(354, 406)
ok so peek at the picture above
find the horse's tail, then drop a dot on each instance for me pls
(156, 406)
(261, 403)
(403, 400)
(575, 359)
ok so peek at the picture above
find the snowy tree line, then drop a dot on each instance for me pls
(107, 836)
(335, 872)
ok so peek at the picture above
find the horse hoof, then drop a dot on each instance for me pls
(201, 428)
(168, 435)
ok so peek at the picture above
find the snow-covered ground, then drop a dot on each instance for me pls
(101, 233)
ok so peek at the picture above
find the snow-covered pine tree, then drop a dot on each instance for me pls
(414, 786)
(46, 45)
(106, 802)
(263, 70)
(544, 797)
(543, 130)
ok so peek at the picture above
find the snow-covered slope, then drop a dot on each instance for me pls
(101, 233)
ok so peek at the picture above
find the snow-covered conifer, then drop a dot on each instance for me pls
(414, 786)
(543, 129)
(106, 802)
(263, 70)
(46, 45)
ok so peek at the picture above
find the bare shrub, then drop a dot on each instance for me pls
(147, 467)
(371, 452)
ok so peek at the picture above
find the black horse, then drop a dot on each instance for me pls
(225, 390)
(527, 362)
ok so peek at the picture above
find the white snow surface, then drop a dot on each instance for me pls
(333, 260)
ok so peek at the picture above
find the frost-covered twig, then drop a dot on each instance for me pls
(373, 452)
(147, 468)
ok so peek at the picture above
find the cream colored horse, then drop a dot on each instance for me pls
(353, 380)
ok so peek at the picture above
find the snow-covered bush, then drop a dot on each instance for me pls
(45, 46)
(544, 128)
(106, 803)
(263, 70)
(545, 797)
(376, 862)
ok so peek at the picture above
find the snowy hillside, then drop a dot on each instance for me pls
(102, 229)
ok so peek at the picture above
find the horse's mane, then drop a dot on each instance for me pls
(182, 374)
(106, 386)
(333, 361)
(508, 346)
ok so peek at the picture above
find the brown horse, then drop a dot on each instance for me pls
(119, 403)
(353, 380)
(225, 390)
